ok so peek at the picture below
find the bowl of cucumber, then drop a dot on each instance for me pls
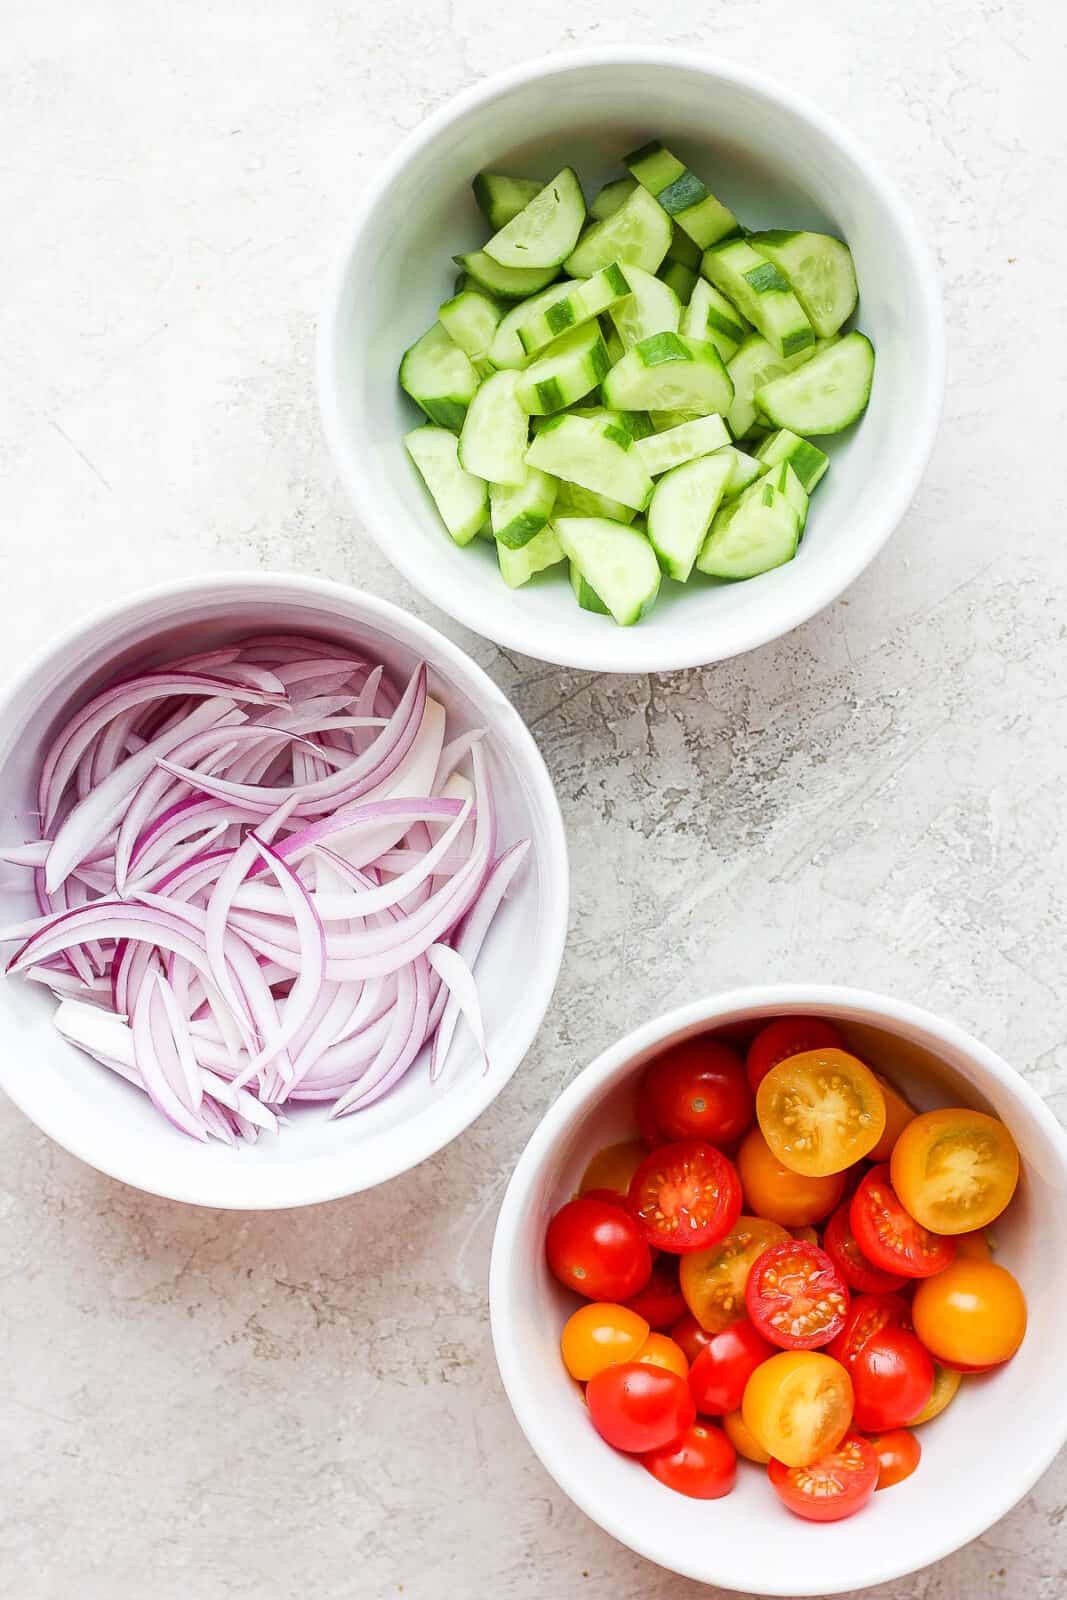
(631, 337)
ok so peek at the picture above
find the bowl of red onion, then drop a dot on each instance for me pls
(283, 891)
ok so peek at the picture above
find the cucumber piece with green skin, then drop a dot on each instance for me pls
(682, 248)
(661, 452)
(470, 319)
(680, 278)
(506, 349)
(755, 364)
(594, 454)
(682, 194)
(806, 459)
(500, 198)
(546, 230)
(507, 283)
(615, 347)
(495, 432)
(662, 420)
(588, 297)
(574, 501)
(750, 534)
(787, 483)
(761, 292)
(616, 561)
(439, 377)
(680, 513)
(520, 511)
(571, 366)
(637, 234)
(828, 394)
(585, 594)
(709, 315)
(461, 499)
(611, 198)
(669, 373)
(744, 469)
(636, 423)
(652, 307)
(820, 272)
(519, 566)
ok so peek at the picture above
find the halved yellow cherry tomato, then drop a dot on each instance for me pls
(613, 1167)
(955, 1169)
(898, 1113)
(713, 1280)
(772, 1190)
(973, 1314)
(659, 1351)
(600, 1335)
(798, 1405)
(946, 1387)
(743, 1439)
(821, 1111)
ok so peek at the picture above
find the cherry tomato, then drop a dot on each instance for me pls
(698, 1090)
(719, 1373)
(613, 1167)
(685, 1197)
(773, 1191)
(743, 1439)
(598, 1336)
(898, 1113)
(820, 1112)
(610, 1197)
(637, 1407)
(659, 1351)
(867, 1315)
(974, 1246)
(807, 1234)
(946, 1388)
(788, 1036)
(798, 1405)
(691, 1337)
(955, 1169)
(973, 1314)
(795, 1296)
(840, 1245)
(713, 1281)
(837, 1485)
(652, 1135)
(701, 1464)
(888, 1236)
(597, 1250)
(898, 1453)
(893, 1379)
(661, 1301)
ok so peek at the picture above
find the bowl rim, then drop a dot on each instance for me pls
(721, 1006)
(673, 651)
(334, 1174)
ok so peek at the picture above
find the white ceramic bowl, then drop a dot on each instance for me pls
(110, 1124)
(979, 1458)
(778, 161)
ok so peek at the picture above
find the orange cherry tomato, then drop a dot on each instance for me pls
(743, 1439)
(898, 1113)
(955, 1169)
(946, 1388)
(798, 1405)
(600, 1335)
(974, 1246)
(785, 1037)
(898, 1453)
(713, 1281)
(660, 1351)
(837, 1485)
(613, 1167)
(773, 1191)
(973, 1314)
(821, 1112)
(806, 1235)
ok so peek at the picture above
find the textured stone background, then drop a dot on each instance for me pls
(306, 1404)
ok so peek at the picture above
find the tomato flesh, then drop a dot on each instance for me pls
(596, 1249)
(821, 1111)
(867, 1315)
(713, 1281)
(955, 1170)
(785, 1037)
(890, 1238)
(893, 1379)
(859, 1273)
(795, 1296)
(835, 1486)
(661, 1301)
(798, 1405)
(721, 1372)
(898, 1453)
(685, 1196)
(638, 1407)
(701, 1464)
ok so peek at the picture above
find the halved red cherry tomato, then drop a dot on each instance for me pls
(888, 1236)
(796, 1297)
(893, 1379)
(788, 1036)
(867, 1315)
(835, 1486)
(685, 1197)
(597, 1249)
(698, 1090)
(661, 1301)
(691, 1336)
(719, 1374)
(638, 1407)
(713, 1281)
(701, 1464)
(840, 1245)
(898, 1453)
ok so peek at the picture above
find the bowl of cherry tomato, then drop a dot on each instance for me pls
(778, 1289)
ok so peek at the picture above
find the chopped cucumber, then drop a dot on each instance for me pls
(662, 420)
(682, 194)
(585, 594)
(820, 272)
(755, 364)
(499, 198)
(751, 534)
(806, 459)
(461, 498)
(574, 501)
(637, 234)
(680, 278)
(615, 347)
(786, 482)
(595, 454)
(758, 289)
(709, 315)
(546, 230)
(439, 377)
(493, 441)
(660, 452)
(507, 283)
(744, 469)
(637, 423)
(521, 510)
(616, 561)
(470, 319)
(519, 566)
(828, 394)
(652, 307)
(681, 509)
(587, 299)
(669, 373)
(682, 248)
(611, 198)
(506, 349)
(571, 366)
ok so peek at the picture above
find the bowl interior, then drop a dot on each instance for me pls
(774, 167)
(747, 1541)
(111, 1124)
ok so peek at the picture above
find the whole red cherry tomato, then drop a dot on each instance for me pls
(698, 1090)
(691, 1336)
(661, 1301)
(720, 1372)
(701, 1464)
(892, 1378)
(898, 1453)
(638, 1407)
(596, 1249)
